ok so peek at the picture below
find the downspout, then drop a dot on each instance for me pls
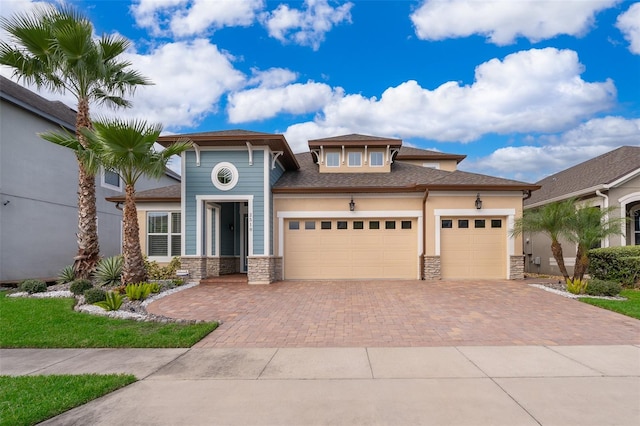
(606, 206)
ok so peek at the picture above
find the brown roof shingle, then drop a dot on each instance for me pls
(169, 193)
(407, 177)
(587, 176)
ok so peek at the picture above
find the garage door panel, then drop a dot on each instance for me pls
(350, 253)
(473, 252)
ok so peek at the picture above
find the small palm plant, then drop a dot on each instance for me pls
(109, 271)
(112, 302)
(66, 275)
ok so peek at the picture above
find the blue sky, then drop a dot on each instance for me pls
(523, 88)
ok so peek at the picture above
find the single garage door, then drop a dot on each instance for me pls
(350, 249)
(473, 248)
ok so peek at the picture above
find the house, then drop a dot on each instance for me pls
(353, 207)
(38, 189)
(609, 180)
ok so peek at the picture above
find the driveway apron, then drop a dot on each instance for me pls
(394, 314)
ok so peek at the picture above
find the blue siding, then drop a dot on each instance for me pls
(250, 182)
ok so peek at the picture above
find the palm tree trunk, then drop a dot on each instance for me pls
(582, 262)
(133, 270)
(556, 249)
(88, 255)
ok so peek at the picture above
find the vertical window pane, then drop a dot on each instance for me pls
(447, 223)
(355, 159)
(158, 245)
(111, 178)
(175, 245)
(333, 159)
(374, 224)
(175, 223)
(158, 223)
(376, 159)
(390, 224)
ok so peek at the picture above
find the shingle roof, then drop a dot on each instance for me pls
(589, 176)
(403, 176)
(54, 111)
(410, 153)
(355, 137)
(165, 193)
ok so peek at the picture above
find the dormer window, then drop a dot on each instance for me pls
(333, 159)
(355, 159)
(376, 159)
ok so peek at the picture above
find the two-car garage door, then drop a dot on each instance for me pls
(351, 249)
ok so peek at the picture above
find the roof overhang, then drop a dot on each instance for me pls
(275, 142)
(407, 188)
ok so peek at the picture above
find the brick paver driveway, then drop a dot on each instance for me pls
(394, 313)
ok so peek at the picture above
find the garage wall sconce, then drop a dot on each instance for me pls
(352, 205)
(478, 202)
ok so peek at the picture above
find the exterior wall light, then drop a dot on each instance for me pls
(352, 205)
(478, 202)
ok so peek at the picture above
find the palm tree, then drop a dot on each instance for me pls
(54, 48)
(587, 227)
(127, 149)
(552, 220)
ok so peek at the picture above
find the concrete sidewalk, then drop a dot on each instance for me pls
(469, 385)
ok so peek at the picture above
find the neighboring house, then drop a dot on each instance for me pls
(354, 207)
(610, 180)
(38, 189)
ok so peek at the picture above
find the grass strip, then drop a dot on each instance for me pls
(27, 400)
(629, 307)
(52, 323)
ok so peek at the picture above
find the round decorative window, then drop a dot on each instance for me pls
(224, 176)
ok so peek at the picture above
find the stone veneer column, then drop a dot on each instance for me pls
(264, 269)
(432, 268)
(213, 267)
(196, 265)
(517, 268)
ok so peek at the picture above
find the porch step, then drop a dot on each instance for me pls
(222, 279)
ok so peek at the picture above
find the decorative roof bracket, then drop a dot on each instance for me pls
(274, 157)
(196, 148)
(250, 148)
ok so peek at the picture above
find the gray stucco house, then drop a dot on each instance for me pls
(609, 180)
(38, 187)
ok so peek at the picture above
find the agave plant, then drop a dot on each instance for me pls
(109, 271)
(66, 275)
(112, 301)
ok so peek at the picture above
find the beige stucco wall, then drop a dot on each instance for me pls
(344, 162)
(448, 165)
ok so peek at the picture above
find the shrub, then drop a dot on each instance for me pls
(620, 264)
(112, 301)
(138, 291)
(94, 295)
(66, 275)
(177, 282)
(109, 270)
(576, 286)
(157, 272)
(598, 287)
(155, 287)
(33, 286)
(78, 287)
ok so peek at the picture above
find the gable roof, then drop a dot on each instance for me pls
(599, 173)
(54, 111)
(355, 139)
(410, 153)
(238, 137)
(403, 177)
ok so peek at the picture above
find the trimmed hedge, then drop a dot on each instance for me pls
(596, 287)
(619, 264)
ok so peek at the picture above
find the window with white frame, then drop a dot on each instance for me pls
(635, 227)
(111, 180)
(376, 159)
(333, 159)
(163, 234)
(355, 159)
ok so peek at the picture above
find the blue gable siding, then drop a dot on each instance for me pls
(250, 182)
(274, 175)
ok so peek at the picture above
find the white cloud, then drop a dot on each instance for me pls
(273, 77)
(629, 24)
(193, 17)
(504, 21)
(588, 140)
(266, 102)
(528, 91)
(308, 26)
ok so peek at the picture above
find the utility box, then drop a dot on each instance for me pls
(536, 260)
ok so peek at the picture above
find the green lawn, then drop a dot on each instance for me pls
(629, 307)
(27, 400)
(52, 323)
